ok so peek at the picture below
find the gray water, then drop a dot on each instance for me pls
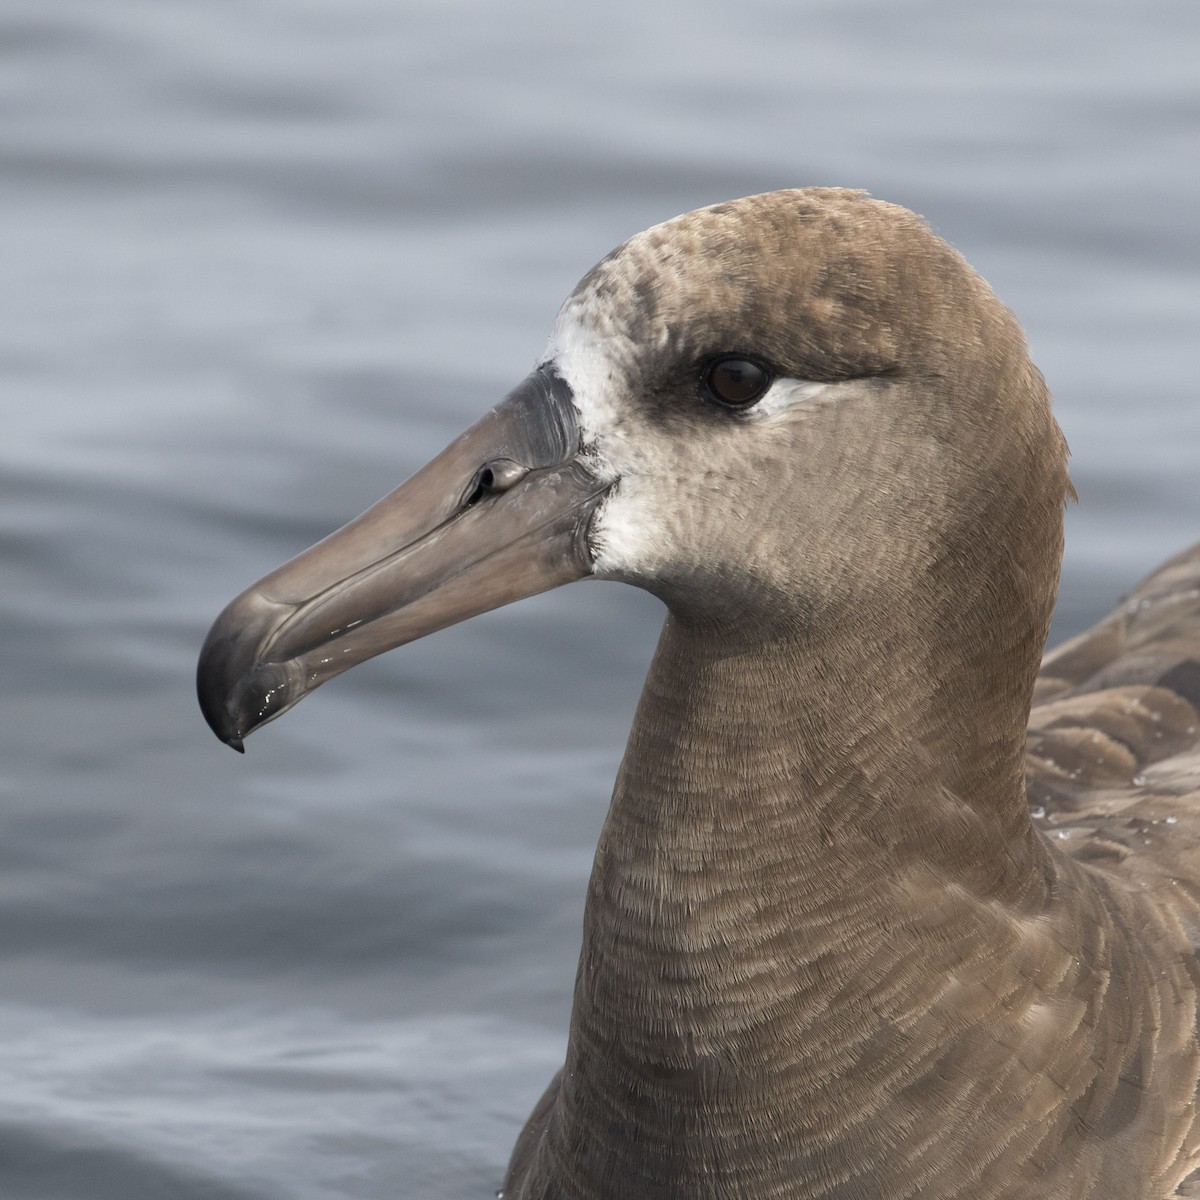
(260, 260)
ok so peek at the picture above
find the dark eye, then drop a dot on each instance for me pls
(735, 382)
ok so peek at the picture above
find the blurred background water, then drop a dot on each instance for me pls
(260, 260)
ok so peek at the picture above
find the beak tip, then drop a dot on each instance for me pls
(226, 730)
(237, 694)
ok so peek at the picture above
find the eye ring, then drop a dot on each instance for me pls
(735, 381)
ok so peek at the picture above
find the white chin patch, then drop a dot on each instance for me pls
(633, 530)
(631, 536)
(626, 532)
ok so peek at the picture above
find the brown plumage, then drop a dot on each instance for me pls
(861, 926)
(946, 1031)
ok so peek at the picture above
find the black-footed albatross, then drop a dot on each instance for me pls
(861, 925)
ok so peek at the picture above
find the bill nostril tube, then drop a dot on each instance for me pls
(494, 477)
(501, 474)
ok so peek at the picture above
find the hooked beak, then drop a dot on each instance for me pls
(500, 514)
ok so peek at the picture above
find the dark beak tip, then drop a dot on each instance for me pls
(225, 730)
(235, 701)
(212, 694)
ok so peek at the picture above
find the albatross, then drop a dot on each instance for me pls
(880, 910)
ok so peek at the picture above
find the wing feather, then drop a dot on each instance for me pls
(1113, 751)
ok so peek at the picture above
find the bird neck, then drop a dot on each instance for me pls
(793, 828)
(813, 764)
